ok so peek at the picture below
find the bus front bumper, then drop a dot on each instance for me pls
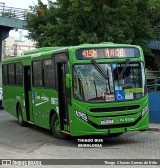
(87, 128)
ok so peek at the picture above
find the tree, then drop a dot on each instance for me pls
(72, 22)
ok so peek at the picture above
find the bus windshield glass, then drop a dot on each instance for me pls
(122, 82)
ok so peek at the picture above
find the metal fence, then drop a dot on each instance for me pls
(16, 13)
(153, 81)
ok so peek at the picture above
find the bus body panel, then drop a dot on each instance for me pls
(89, 130)
(44, 101)
(132, 119)
(12, 98)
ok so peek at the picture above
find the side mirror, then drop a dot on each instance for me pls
(68, 81)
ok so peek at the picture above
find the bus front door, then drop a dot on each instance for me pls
(61, 71)
(28, 93)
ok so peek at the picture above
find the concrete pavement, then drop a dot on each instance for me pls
(36, 143)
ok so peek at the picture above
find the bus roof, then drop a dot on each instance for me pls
(27, 55)
(40, 50)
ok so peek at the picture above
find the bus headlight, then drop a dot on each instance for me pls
(144, 111)
(81, 115)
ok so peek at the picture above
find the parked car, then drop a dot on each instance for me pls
(1, 97)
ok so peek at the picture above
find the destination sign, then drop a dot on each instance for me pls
(96, 53)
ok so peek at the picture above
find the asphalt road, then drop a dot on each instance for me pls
(36, 143)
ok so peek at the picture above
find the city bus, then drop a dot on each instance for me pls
(89, 89)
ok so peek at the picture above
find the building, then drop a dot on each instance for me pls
(12, 47)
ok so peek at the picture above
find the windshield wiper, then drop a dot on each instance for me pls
(124, 69)
(102, 73)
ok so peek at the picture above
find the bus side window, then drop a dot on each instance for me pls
(37, 73)
(19, 74)
(49, 73)
(11, 73)
(5, 74)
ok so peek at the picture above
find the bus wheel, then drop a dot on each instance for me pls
(55, 128)
(114, 134)
(20, 116)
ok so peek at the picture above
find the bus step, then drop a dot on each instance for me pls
(30, 122)
(66, 132)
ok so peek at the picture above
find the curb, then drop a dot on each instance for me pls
(154, 129)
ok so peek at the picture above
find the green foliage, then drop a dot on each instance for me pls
(72, 22)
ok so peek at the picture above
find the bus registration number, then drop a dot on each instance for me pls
(126, 119)
(108, 121)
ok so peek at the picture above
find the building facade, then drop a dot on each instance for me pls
(12, 47)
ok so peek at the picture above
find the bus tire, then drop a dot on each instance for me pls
(114, 134)
(55, 128)
(20, 116)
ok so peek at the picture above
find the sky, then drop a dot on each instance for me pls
(24, 4)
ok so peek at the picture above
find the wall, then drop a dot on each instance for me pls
(154, 107)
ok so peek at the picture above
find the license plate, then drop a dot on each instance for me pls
(108, 121)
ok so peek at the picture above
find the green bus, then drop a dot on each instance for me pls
(89, 89)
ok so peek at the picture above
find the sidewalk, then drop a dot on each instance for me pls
(154, 127)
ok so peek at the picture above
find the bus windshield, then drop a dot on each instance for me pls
(124, 82)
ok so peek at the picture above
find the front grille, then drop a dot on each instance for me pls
(115, 125)
(110, 109)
